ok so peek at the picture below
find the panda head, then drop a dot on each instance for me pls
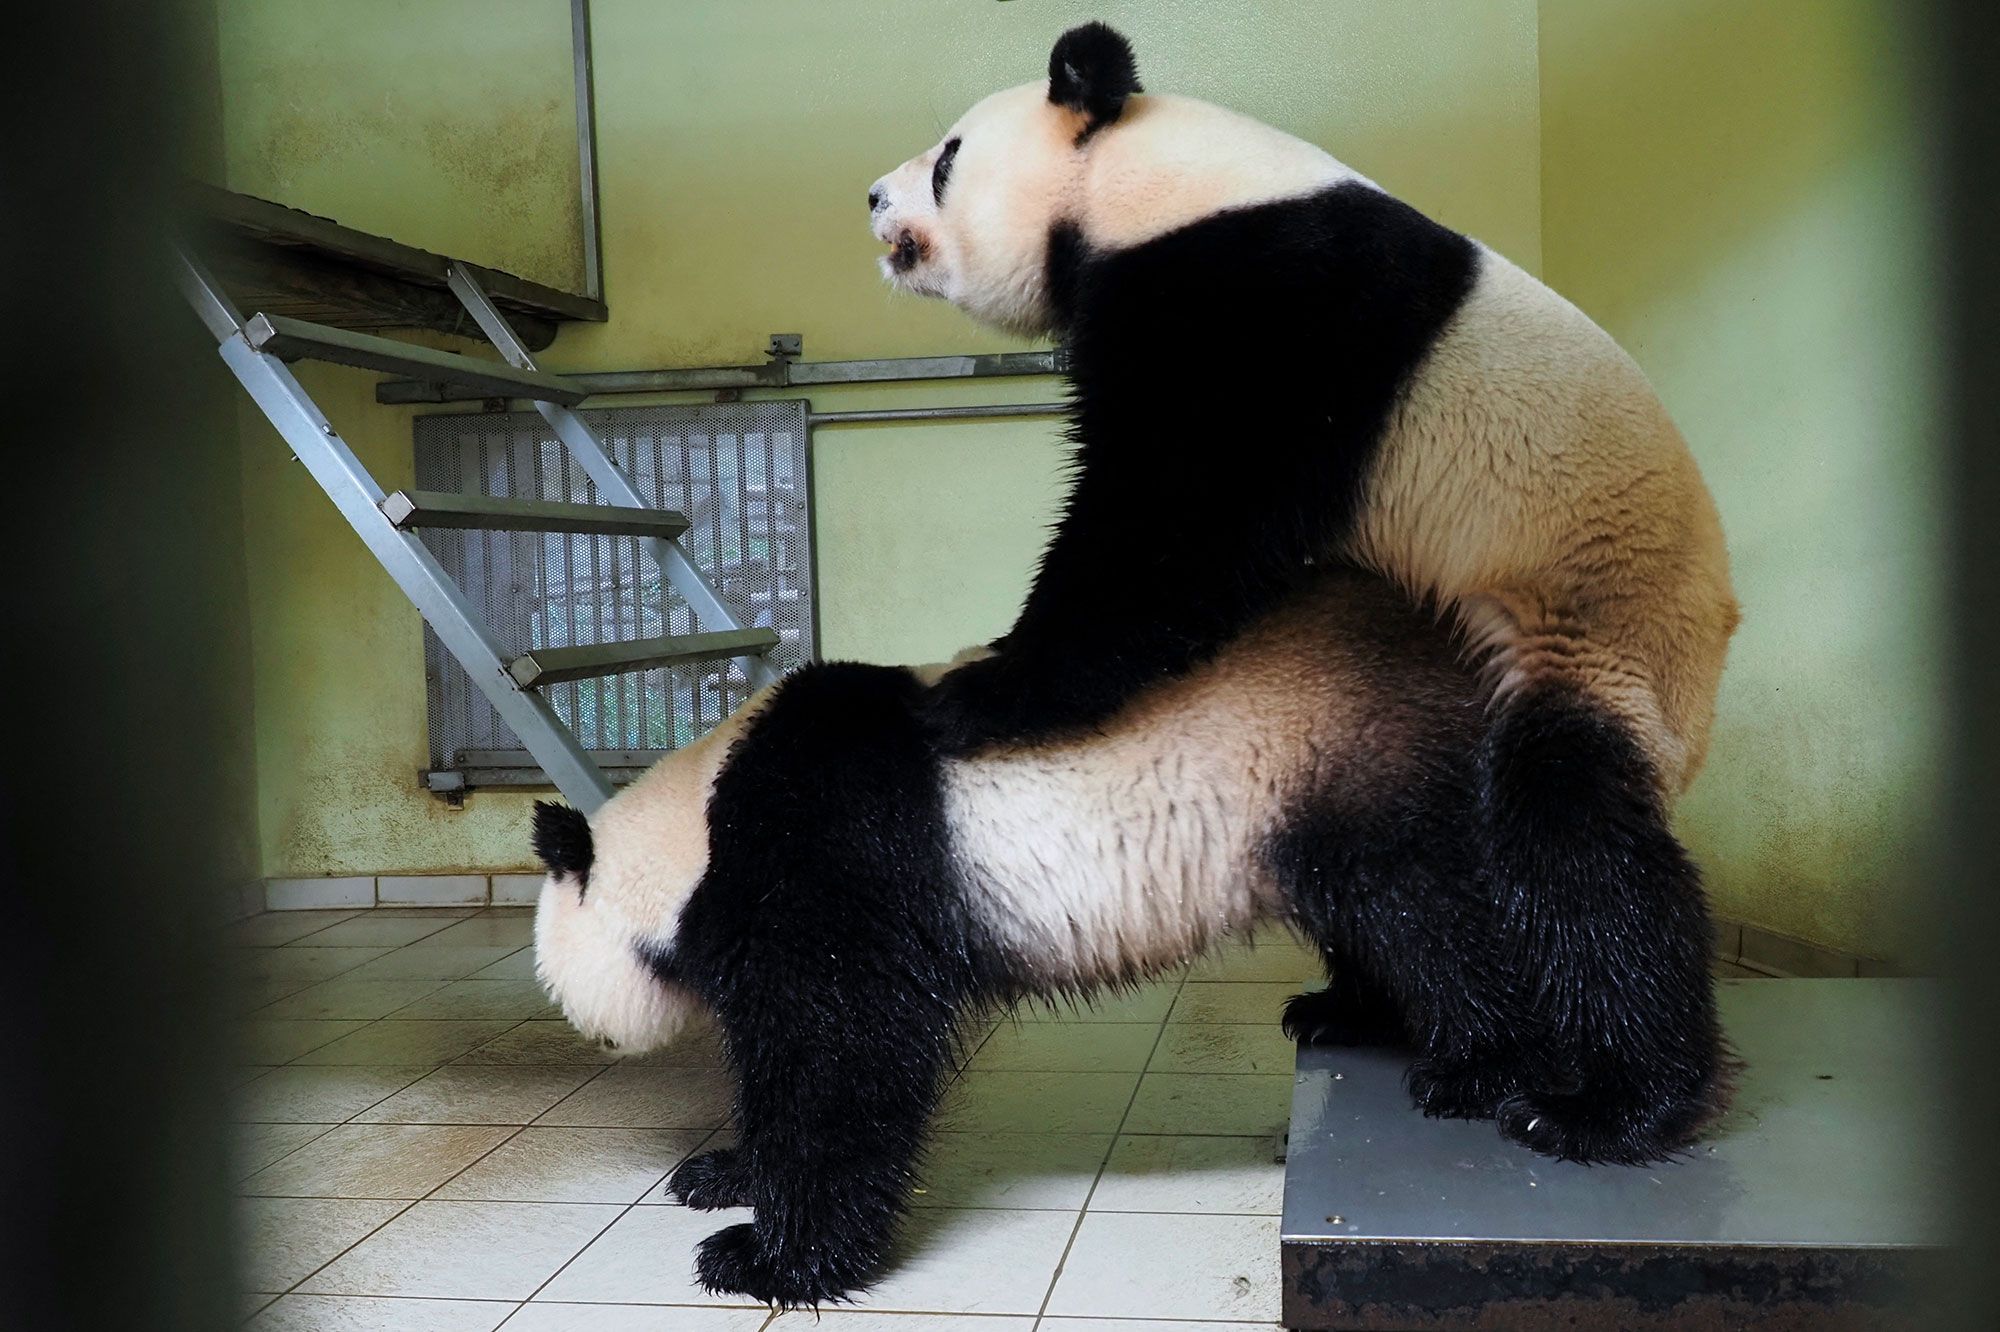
(611, 904)
(1085, 156)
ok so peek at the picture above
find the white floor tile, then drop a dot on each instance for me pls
(1223, 1047)
(283, 1240)
(384, 928)
(635, 1096)
(1151, 1266)
(485, 932)
(1236, 1001)
(517, 999)
(994, 1101)
(1239, 1104)
(387, 1042)
(350, 997)
(543, 1041)
(1042, 1170)
(646, 1258)
(273, 928)
(1148, 1003)
(863, 1320)
(430, 960)
(260, 1040)
(467, 1094)
(1274, 956)
(376, 1161)
(539, 1317)
(351, 1313)
(1043, 1047)
(517, 965)
(1192, 1174)
(1151, 1325)
(301, 961)
(597, 1165)
(465, 1250)
(973, 1260)
(254, 1146)
(319, 1093)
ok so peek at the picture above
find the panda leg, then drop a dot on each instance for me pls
(1604, 916)
(1352, 1010)
(1388, 885)
(830, 1127)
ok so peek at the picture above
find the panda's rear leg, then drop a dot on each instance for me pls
(1388, 883)
(1352, 1011)
(1603, 915)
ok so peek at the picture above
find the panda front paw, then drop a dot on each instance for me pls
(735, 1261)
(711, 1181)
(1329, 1017)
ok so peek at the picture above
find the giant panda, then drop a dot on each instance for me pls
(1274, 364)
(842, 895)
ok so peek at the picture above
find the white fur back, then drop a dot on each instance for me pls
(1132, 850)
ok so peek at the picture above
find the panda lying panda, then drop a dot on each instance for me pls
(1431, 413)
(842, 897)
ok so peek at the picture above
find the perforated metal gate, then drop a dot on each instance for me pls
(737, 470)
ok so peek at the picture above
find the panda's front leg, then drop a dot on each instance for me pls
(831, 1120)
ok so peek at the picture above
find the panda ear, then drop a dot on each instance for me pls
(1092, 70)
(562, 839)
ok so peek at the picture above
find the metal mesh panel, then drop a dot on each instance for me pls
(739, 473)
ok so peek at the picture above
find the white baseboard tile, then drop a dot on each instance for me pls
(431, 890)
(319, 894)
(516, 889)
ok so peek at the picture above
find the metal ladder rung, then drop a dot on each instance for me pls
(488, 513)
(295, 339)
(546, 666)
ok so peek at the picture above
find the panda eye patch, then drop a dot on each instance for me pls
(941, 172)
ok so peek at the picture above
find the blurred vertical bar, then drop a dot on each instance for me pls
(129, 808)
(1966, 51)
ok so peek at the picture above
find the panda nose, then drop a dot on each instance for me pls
(875, 200)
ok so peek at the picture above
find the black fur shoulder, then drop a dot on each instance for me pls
(1203, 492)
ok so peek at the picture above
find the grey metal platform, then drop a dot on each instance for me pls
(1815, 1203)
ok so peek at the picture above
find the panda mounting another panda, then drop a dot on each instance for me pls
(1407, 647)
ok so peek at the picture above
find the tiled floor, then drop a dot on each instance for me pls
(426, 1145)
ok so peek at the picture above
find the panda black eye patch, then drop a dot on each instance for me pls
(941, 172)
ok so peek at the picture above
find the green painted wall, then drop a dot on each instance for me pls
(1729, 188)
(1736, 191)
(736, 143)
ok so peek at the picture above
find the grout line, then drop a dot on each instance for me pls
(1042, 1311)
(626, 1211)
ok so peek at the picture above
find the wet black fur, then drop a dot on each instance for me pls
(833, 941)
(561, 839)
(1605, 921)
(1092, 70)
(1199, 497)
(1538, 941)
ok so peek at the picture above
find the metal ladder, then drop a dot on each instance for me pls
(257, 350)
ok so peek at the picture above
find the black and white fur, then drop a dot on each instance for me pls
(1377, 390)
(843, 895)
